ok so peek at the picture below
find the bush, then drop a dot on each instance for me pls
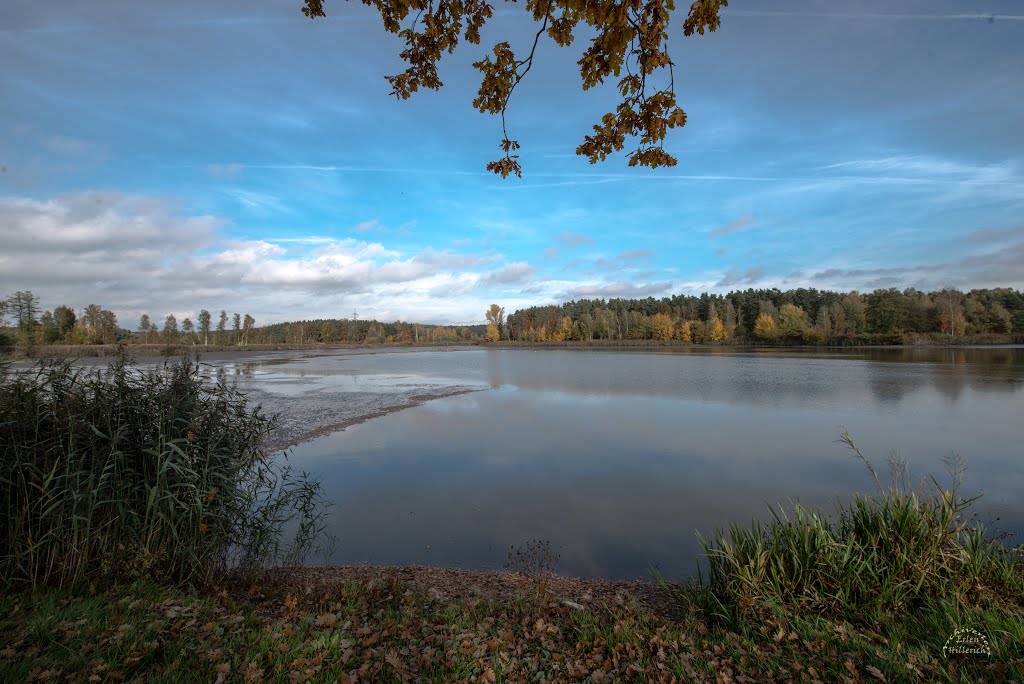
(119, 472)
(894, 552)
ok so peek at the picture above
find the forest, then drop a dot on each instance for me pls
(808, 316)
(762, 316)
(22, 322)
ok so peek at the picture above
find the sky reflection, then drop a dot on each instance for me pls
(619, 458)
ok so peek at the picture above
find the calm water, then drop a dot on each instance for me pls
(618, 457)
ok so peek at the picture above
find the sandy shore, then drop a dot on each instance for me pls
(303, 417)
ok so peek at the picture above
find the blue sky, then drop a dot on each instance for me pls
(163, 158)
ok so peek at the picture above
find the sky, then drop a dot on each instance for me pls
(167, 157)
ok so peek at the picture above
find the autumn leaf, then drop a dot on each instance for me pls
(252, 672)
(875, 672)
(291, 603)
(326, 620)
(852, 669)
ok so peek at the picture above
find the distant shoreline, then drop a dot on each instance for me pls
(225, 353)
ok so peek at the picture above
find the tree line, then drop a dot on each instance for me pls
(810, 316)
(359, 331)
(29, 325)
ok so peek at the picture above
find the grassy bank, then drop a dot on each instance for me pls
(390, 625)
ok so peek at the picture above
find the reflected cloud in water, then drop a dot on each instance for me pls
(618, 458)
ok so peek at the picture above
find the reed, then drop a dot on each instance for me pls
(119, 472)
(880, 555)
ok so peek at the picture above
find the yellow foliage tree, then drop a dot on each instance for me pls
(661, 327)
(716, 331)
(792, 320)
(492, 333)
(567, 331)
(764, 327)
(684, 333)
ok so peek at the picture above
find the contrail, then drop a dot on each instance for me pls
(239, 21)
(174, 23)
(878, 15)
(606, 177)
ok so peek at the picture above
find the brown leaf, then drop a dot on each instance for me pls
(252, 672)
(875, 672)
(326, 620)
(291, 603)
(222, 672)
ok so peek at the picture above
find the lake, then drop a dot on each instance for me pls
(618, 457)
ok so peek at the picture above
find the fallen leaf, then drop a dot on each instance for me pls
(875, 672)
(291, 603)
(326, 620)
(852, 669)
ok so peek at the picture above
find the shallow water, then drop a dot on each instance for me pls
(618, 457)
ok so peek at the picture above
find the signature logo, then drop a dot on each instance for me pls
(966, 641)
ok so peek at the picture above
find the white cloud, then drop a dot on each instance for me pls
(512, 274)
(571, 240)
(367, 226)
(135, 254)
(62, 144)
(733, 226)
(225, 170)
(611, 290)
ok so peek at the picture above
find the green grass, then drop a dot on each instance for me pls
(904, 569)
(115, 473)
(880, 556)
(381, 629)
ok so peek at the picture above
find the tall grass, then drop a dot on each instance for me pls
(895, 551)
(119, 471)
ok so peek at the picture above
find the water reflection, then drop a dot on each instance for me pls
(618, 458)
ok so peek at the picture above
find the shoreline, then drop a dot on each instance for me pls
(467, 584)
(300, 420)
(153, 352)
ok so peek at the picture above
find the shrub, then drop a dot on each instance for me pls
(882, 554)
(115, 472)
